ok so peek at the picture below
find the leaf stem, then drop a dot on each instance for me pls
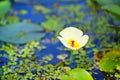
(65, 63)
(70, 59)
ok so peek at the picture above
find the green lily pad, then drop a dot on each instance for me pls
(20, 33)
(4, 6)
(110, 61)
(77, 74)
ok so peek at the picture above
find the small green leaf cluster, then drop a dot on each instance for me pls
(83, 60)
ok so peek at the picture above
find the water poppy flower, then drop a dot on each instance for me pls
(73, 38)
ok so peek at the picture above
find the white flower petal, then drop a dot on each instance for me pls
(73, 38)
(84, 39)
(64, 42)
(71, 32)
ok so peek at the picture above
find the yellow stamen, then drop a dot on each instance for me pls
(73, 43)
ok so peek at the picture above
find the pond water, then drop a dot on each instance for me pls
(31, 50)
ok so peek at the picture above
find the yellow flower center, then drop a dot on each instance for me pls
(73, 43)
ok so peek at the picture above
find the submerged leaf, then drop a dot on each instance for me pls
(20, 32)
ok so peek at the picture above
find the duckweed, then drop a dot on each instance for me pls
(23, 63)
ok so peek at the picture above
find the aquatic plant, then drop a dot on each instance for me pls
(23, 12)
(111, 7)
(3, 21)
(40, 8)
(4, 6)
(83, 60)
(28, 67)
(76, 74)
(110, 61)
(24, 63)
(12, 19)
(10, 49)
(52, 25)
(76, 15)
(101, 3)
(113, 11)
(74, 41)
(21, 33)
(110, 64)
(14, 68)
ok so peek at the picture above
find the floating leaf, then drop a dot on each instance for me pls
(4, 6)
(65, 77)
(118, 67)
(13, 19)
(77, 74)
(20, 33)
(110, 61)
